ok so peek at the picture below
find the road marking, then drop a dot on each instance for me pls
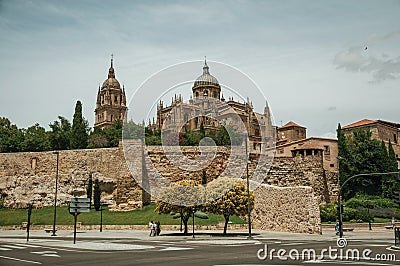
(47, 253)
(293, 244)
(13, 246)
(174, 248)
(28, 261)
(5, 249)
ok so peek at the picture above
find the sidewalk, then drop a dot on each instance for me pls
(175, 235)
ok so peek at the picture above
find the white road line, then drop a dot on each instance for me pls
(5, 249)
(293, 244)
(174, 248)
(28, 261)
(13, 246)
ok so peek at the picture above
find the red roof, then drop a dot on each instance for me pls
(291, 124)
(365, 122)
(360, 123)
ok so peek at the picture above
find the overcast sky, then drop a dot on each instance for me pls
(317, 62)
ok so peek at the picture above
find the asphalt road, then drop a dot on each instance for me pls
(164, 250)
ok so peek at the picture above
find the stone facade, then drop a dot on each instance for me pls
(381, 130)
(287, 209)
(30, 177)
(207, 107)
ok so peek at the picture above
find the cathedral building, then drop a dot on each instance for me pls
(209, 109)
(111, 101)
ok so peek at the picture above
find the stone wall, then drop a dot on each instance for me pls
(284, 171)
(30, 177)
(287, 209)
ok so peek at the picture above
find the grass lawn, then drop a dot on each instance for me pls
(142, 216)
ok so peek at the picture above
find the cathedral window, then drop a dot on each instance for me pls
(116, 99)
(215, 94)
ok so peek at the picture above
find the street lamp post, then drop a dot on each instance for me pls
(193, 211)
(55, 195)
(248, 185)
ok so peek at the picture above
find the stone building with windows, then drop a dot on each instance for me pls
(380, 130)
(111, 101)
(292, 141)
(208, 108)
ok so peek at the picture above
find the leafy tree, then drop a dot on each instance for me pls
(36, 139)
(60, 134)
(233, 201)
(172, 200)
(80, 129)
(113, 133)
(97, 195)
(11, 137)
(89, 189)
(202, 130)
(361, 154)
(97, 139)
(130, 130)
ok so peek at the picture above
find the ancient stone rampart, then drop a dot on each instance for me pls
(30, 176)
(287, 209)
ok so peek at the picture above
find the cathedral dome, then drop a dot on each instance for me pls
(111, 82)
(206, 78)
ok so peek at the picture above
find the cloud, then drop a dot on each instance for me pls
(332, 108)
(358, 59)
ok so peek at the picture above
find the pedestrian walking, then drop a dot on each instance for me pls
(158, 228)
(152, 229)
(337, 227)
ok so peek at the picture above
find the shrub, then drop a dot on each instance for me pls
(371, 202)
(385, 213)
(356, 214)
(328, 212)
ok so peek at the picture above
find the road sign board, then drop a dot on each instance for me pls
(77, 210)
(79, 205)
(87, 200)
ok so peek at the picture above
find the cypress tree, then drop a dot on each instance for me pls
(392, 167)
(343, 155)
(79, 130)
(96, 195)
(89, 189)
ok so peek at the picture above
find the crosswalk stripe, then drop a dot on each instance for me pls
(4, 249)
(13, 246)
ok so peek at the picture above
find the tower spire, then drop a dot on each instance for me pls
(112, 58)
(205, 68)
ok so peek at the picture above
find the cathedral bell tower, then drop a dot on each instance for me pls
(111, 101)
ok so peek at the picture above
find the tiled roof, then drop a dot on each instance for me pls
(291, 124)
(365, 122)
(360, 123)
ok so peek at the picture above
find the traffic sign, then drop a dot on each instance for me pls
(79, 205)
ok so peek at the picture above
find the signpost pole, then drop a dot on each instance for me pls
(75, 218)
(29, 221)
